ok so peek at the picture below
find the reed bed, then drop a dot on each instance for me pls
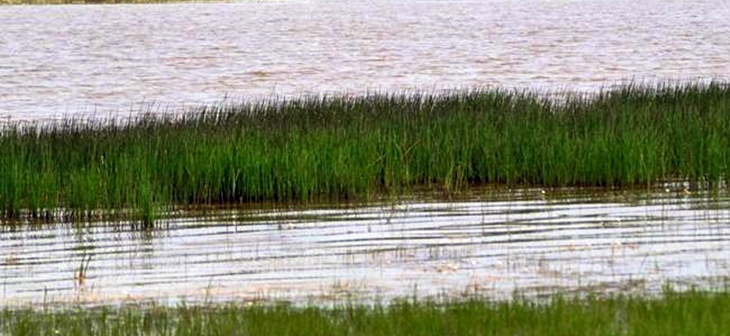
(334, 148)
(690, 313)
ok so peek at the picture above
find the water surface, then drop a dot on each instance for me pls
(113, 60)
(491, 243)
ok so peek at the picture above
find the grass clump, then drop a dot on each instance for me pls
(337, 148)
(690, 313)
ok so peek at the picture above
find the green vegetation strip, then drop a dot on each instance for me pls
(336, 148)
(691, 313)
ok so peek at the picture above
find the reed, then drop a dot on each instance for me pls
(343, 148)
(690, 313)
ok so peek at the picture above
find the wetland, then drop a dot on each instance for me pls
(349, 167)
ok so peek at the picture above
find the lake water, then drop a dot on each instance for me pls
(112, 60)
(489, 243)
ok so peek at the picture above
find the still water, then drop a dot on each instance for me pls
(112, 60)
(489, 243)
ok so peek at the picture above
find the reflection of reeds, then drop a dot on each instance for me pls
(355, 147)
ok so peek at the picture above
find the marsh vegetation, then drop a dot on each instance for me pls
(689, 313)
(343, 148)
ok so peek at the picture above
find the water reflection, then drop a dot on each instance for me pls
(492, 243)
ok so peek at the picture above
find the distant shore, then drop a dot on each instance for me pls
(82, 2)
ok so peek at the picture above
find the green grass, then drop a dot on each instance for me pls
(353, 148)
(689, 313)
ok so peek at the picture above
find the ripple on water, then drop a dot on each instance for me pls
(523, 240)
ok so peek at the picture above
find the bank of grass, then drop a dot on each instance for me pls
(344, 148)
(689, 313)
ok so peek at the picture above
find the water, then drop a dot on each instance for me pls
(491, 243)
(112, 60)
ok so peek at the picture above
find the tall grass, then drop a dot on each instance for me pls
(334, 148)
(691, 313)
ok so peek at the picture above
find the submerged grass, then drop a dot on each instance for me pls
(335, 148)
(689, 313)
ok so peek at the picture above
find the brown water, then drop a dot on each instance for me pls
(113, 59)
(491, 243)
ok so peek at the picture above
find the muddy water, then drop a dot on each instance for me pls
(117, 59)
(492, 243)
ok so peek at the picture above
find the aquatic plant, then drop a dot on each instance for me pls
(80, 274)
(343, 148)
(690, 313)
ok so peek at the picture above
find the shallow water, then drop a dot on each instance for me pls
(490, 243)
(112, 60)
